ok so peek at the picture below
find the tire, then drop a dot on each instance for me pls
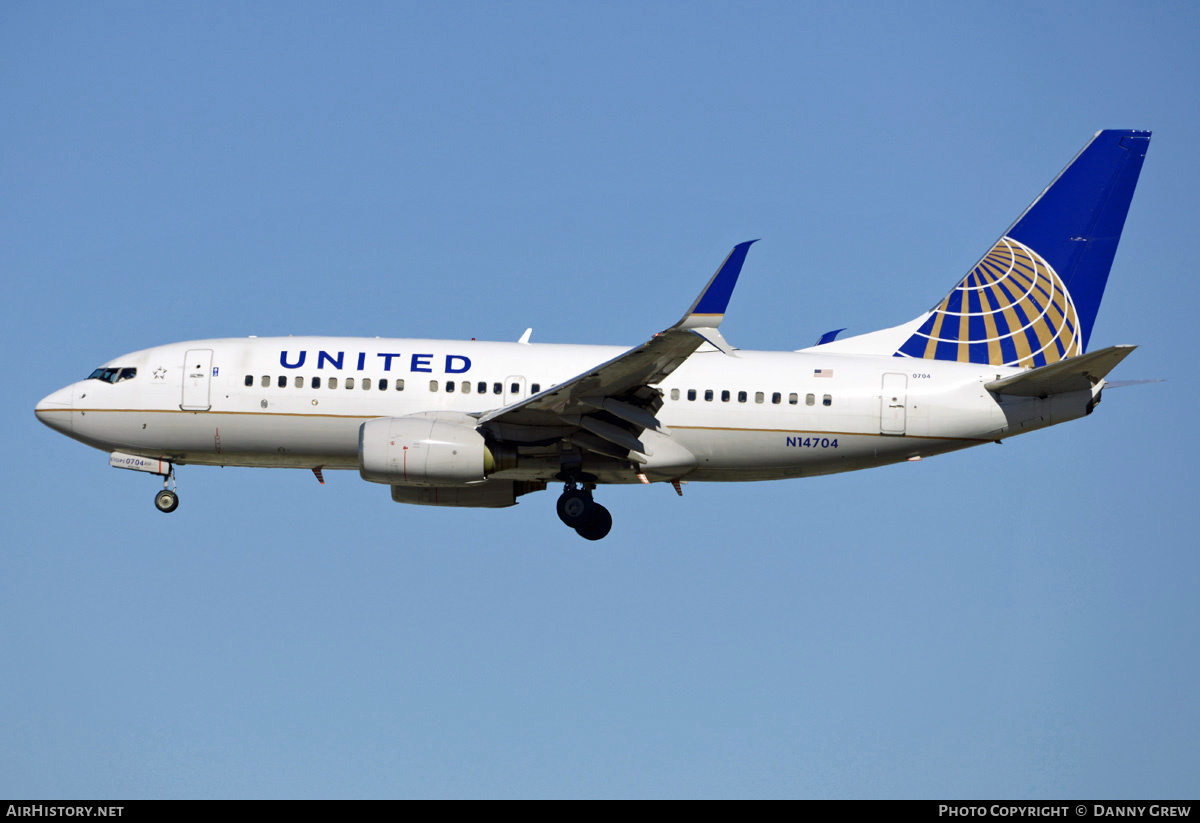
(600, 525)
(166, 501)
(575, 508)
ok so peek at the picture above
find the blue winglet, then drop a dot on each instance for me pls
(829, 336)
(712, 302)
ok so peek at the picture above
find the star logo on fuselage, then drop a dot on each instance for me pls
(160, 373)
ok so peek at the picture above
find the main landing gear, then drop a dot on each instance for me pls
(577, 509)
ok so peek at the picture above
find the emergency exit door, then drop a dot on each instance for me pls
(514, 389)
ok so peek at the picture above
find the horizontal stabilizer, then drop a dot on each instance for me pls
(1074, 374)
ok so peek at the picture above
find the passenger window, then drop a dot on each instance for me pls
(366, 383)
(515, 388)
(758, 397)
(266, 381)
(316, 382)
(534, 388)
(433, 385)
(810, 399)
(691, 394)
(827, 400)
(466, 387)
(383, 384)
(283, 381)
(708, 394)
(742, 396)
(725, 396)
(249, 380)
(349, 382)
(497, 388)
(331, 383)
(674, 394)
(793, 399)
(399, 384)
(481, 387)
(776, 398)
(298, 382)
(450, 387)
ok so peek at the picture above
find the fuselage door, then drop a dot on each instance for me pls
(197, 380)
(893, 401)
(514, 389)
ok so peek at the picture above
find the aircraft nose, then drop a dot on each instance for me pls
(55, 410)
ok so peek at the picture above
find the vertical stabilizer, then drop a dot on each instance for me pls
(1033, 298)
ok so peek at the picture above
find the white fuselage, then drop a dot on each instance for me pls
(299, 402)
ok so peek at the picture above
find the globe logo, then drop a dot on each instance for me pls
(1012, 309)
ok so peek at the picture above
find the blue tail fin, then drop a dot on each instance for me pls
(1033, 298)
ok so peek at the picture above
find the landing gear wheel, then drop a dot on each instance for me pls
(575, 508)
(600, 525)
(166, 501)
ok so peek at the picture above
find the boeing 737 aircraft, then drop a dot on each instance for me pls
(480, 424)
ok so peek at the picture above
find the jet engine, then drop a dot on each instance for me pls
(420, 450)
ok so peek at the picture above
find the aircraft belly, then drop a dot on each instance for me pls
(225, 439)
(772, 455)
(283, 434)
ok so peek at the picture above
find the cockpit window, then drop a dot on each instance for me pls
(107, 375)
(112, 375)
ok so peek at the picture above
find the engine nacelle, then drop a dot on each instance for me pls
(421, 451)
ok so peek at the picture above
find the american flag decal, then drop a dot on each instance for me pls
(822, 372)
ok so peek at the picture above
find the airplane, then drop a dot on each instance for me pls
(480, 424)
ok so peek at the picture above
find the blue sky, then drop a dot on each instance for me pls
(1014, 621)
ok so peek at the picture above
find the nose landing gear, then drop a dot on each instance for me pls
(167, 500)
(579, 511)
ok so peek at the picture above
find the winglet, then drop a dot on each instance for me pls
(709, 308)
(829, 336)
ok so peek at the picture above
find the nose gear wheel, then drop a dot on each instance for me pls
(166, 501)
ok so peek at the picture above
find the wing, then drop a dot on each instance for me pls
(607, 409)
